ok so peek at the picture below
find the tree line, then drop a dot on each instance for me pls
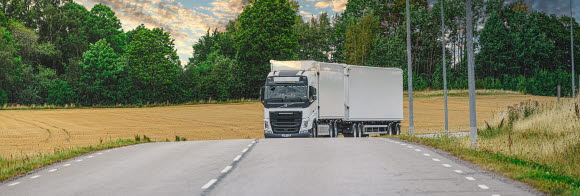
(58, 52)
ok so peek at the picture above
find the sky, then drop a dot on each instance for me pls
(188, 20)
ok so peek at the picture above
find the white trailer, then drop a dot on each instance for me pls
(310, 99)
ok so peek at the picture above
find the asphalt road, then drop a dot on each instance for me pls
(321, 166)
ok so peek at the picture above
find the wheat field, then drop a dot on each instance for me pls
(33, 132)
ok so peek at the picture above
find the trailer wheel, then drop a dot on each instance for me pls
(335, 128)
(398, 129)
(331, 130)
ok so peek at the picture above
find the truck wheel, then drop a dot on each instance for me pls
(315, 130)
(398, 129)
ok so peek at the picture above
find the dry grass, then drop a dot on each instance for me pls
(33, 132)
(547, 134)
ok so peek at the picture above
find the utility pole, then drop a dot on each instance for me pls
(572, 48)
(471, 77)
(410, 73)
(443, 48)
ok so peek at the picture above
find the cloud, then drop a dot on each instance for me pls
(322, 4)
(336, 5)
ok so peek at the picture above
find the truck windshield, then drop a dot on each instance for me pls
(285, 93)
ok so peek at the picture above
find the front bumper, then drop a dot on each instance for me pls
(273, 135)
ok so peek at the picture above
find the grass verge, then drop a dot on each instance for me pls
(17, 166)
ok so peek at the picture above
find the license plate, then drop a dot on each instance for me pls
(286, 135)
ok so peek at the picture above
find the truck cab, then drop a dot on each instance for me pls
(290, 106)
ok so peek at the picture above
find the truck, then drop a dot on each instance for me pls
(313, 99)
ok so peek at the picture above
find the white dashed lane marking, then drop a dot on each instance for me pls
(458, 171)
(79, 160)
(250, 145)
(66, 165)
(237, 158)
(208, 184)
(417, 150)
(470, 178)
(245, 150)
(33, 177)
(227, 169)
(436, 160)
(90, 157)
(426, 154)
(482, 186)
(52, 170)
(446, 165)
(100, 153)
(15, 183)
(495, 195)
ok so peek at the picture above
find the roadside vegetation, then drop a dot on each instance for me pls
(74, 106)
(531, 142)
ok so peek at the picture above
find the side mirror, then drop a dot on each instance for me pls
(262, 90)
(312, 94)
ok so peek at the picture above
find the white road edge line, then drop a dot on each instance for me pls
(482, 186)
(227, 169)
(245, 150)
(434, 159)
(446, 165)
(253, 142)
(495, 195)
(417, 150)
(79, 160)
(66, 165)
(100, 153)
(458, 171)
(52, 170)
(90, 157)
(14, 184)
(250, 145)
(403, 144)
(237, 158)
(208, 184)
(33, 177)
(469, 178)
(427, 154)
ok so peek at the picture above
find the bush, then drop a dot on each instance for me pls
(60, 93)
(3, 98)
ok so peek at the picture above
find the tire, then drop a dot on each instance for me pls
(398, 129)
(331, 130)
(314, 131)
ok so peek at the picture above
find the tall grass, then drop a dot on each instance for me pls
(548, 134)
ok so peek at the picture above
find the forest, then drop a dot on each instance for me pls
(59, 52)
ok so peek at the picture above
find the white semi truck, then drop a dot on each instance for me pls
(311, 99)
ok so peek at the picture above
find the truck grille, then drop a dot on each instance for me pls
(285, 122)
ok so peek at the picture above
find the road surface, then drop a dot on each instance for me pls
(321, 166)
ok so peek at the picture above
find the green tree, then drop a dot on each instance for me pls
(359, 40)
(9, 61)
(153, 66)
(265, 32)
(313, 38)
(102, 75)
(104, 24)
(60, 93)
